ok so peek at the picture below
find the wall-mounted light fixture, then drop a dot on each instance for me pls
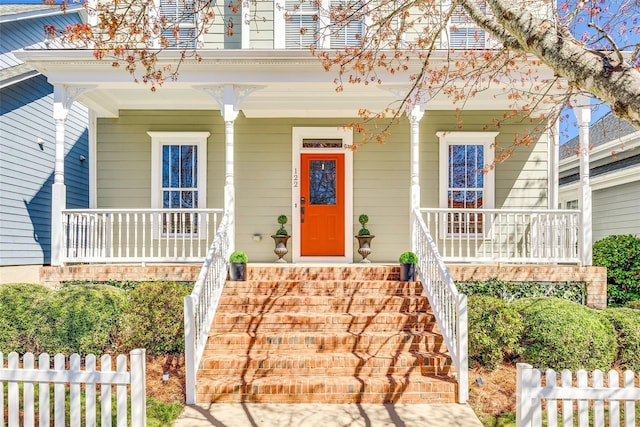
(82, 158)
(40, 142)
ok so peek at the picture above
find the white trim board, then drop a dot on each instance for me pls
(298, 134)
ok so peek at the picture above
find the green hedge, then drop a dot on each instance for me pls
(560, 334)
(22, 317)
(154, 318)
(83, 319)
(627, 325)
(495, 330)
(621, 255)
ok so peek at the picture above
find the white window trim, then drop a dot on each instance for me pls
(155, 15)
(279, 28)
(487, 139)
(158, 139)
(298, 135)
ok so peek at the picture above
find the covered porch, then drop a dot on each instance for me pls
(512, 220)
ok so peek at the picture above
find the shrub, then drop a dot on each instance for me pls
(560, 334)
(510, 291)
(21, 317)
(495, 330)
(627, 325)
(82, 319)
(408, 258)
(154, 318)
(238, 257)
(621, 255)
(635, 304)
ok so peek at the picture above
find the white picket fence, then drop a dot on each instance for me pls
(530, 393)
(68, 374)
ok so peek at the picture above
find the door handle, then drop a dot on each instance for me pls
(302, 214)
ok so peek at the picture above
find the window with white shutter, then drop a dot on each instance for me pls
(180, 17)
(308, 24)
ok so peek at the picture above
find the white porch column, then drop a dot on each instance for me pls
(229, 99)
(582, 112)
(554, 165)
(63, 97)
(415, 115)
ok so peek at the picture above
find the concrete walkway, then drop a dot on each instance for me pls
(323, 415)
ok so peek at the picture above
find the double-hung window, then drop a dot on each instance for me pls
(325, 24)
(466, 184)
(463, 33)
(178, 170)
(179, 22)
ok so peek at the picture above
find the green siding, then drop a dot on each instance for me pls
(263, 172)
(520, 181)
(616, 210)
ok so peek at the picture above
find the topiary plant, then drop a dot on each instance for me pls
(282, 220)
(559, 334)
(495, 330)
(408, 258)
(238, 257)
(621, 255)
(363, 219)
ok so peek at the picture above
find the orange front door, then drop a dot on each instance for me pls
(322, 204)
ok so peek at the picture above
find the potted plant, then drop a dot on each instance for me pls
(238, 268)
(364, 238)
(281, 237)
(408, 261)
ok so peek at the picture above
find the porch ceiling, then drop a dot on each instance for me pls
(290, 84)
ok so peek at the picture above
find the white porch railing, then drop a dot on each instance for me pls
(448, 305)
(505, 235)
(137, 235)
(74, 389)
(530, 392)
(201, 305)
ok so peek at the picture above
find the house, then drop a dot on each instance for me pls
(614, 172)
(28, 144)
(254, 129)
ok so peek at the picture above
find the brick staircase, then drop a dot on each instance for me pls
(349, 334)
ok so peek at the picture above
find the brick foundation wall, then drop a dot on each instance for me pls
(594, 277)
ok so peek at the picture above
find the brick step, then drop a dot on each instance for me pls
(275, 288)
(272, 322)
(345, 272)
(319, 342)
(360, 364)
(327, 389)
(255, 304)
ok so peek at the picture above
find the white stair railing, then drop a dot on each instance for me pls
(201, 305)
(448, 305)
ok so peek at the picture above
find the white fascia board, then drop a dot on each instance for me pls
(46, 11)
(606, 180)
(625, 143)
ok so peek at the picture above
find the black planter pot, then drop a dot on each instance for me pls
(238, 271)
(407, 272)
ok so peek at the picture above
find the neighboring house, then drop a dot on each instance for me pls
(27, 139)
(614, 171)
